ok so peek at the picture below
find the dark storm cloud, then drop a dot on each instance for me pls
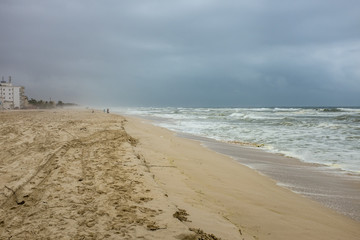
(185, 53)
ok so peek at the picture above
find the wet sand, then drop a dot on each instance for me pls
(331, 187)
(82, 175)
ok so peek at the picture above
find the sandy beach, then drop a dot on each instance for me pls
(78, 174)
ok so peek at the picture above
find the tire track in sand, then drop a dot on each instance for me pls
(88, 188)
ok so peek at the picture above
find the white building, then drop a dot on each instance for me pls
(11, 96)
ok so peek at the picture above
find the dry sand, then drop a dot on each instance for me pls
(81, 175)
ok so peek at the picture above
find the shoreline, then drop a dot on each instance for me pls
(90, 175)
(311, 135)
(254, 203)
(334, 188)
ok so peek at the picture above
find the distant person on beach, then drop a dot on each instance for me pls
(107, 110)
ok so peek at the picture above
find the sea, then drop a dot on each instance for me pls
(327, 136)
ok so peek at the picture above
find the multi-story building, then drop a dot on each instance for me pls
(11, 97)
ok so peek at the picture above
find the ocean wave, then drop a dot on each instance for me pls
(337, 109)
(286, 123)
(237, 115)
(351, 118)
(331, 110)
(258, 109)
(352, 137)
(327, 125)
(287, 109)
(310, 134)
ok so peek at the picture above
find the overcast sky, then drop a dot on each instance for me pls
(184, 53)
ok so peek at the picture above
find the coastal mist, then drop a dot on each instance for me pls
(328, 136)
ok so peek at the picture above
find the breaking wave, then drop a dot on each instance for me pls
(320, 135)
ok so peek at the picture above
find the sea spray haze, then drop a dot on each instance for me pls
(328, 136)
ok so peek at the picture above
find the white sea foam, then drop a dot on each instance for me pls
(321, 135)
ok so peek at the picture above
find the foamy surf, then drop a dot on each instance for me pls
(327, 136)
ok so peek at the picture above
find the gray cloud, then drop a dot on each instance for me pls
(184, 53)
